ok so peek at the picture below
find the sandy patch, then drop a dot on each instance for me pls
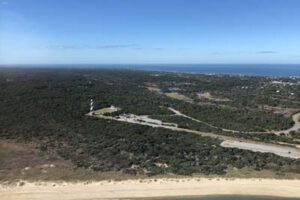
(151, 188)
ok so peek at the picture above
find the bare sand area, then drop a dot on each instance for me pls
(150, 188)
(284, 151)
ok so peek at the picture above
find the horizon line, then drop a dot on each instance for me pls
(110, 64)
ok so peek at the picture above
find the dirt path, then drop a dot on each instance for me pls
(199, 121)
(296, 127)
(295, 117)
(265, 146)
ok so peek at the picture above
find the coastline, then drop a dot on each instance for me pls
(151, 188)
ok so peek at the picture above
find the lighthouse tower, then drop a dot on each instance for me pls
(92, 105)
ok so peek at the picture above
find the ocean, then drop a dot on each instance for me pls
(282, 70)
(278, 70)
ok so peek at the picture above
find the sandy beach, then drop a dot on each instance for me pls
(150, 188)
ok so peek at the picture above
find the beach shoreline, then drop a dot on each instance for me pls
(150, 188)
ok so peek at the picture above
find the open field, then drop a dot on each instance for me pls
(154, 89)
(150, 188)
(178, 96)
(102, 111)
(208, 96)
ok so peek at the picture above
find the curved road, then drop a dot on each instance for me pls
(296, 127)
(228, 142)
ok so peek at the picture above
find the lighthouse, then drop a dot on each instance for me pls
(92, 105)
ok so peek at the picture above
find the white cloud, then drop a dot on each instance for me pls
(66, 47)
(266, 52)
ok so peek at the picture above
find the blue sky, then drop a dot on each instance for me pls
(149, 31)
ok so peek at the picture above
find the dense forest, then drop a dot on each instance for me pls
(48, 107)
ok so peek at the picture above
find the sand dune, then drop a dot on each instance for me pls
(150, 188)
